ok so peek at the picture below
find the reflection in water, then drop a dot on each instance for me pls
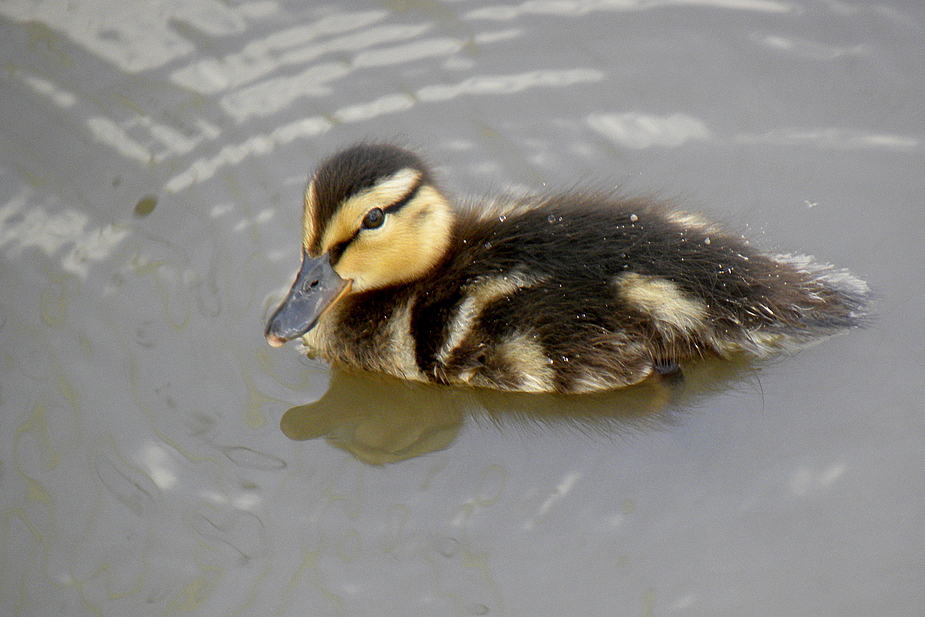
(381, 419)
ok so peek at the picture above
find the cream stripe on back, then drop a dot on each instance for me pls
(401, 344)
(526, 358)
(479, 295)
(672, 312)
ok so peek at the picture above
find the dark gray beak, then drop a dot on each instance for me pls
(316, 287)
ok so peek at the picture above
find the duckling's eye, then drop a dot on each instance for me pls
(374, 218)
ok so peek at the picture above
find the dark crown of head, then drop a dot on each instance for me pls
(356, 169)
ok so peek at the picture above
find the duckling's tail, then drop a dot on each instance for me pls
(847, 301)
(831, 301)
(820, 302)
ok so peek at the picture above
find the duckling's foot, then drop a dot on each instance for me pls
(670, 371)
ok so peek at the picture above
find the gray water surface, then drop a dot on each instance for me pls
(152, 159)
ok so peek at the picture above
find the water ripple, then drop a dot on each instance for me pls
(133, 40)
(836, 138)
(807, 49)
(508, 84)
(575, 8)
(67, 234)
(637, 130)
(272, 95)
(205, 167)
(262, 57)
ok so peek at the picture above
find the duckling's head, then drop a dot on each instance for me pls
(373, 219)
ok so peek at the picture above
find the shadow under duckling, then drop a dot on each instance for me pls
(571, 293)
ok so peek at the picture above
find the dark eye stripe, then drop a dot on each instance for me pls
(401, 203)
(337, 251)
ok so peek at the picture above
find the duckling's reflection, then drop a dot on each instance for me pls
(381, 419)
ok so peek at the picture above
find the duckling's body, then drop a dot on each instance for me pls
(573, 293)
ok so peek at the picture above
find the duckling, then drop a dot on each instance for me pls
(568, 293)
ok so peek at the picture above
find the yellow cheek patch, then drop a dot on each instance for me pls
(671, 310)
(348, 219)
(410, 242)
